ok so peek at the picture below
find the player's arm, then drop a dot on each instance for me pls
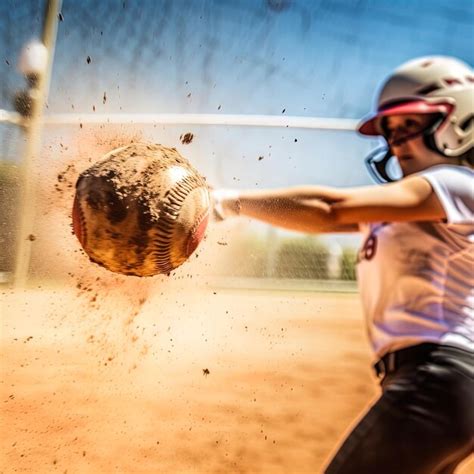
(315, 209)
(300, 208)
(408, 200)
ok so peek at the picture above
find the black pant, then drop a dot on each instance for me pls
(423, 423)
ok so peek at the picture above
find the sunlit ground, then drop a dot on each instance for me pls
(143, 379)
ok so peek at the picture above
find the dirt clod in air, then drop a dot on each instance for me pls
(186, 138)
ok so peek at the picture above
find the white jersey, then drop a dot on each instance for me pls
(416, 279)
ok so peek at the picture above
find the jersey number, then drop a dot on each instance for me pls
(368, 250)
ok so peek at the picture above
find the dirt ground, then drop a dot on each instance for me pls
(143, 379)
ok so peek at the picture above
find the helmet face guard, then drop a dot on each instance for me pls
(383, 165)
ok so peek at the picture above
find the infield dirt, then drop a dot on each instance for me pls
(137, 379)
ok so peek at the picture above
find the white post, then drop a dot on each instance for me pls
(32, 65)
(334, 261)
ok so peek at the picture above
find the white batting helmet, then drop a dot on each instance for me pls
(431, 85)
(436, 85)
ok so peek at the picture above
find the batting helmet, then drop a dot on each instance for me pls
(440, 86)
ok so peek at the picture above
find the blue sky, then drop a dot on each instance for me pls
(322, 58)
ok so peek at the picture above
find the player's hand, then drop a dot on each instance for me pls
(225, 204)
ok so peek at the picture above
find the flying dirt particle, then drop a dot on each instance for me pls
(189, 95)
(296, 140)
(80, 125)
(104, 99)
(31, 238)
(205, 372)
(221, 243)
(219, 108)
(60, 16)
(88, 60)
(93, 108)
(260, 158)
(283, 111)
(8, 62)
(186, 138)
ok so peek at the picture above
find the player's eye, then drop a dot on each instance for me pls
(410, 123)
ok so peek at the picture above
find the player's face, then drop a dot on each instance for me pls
(404, 135)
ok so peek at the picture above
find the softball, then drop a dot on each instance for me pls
(141, 210)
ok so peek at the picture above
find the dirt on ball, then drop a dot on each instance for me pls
(133, 171)
(141, 210)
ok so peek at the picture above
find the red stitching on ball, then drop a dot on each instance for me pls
(197, 233)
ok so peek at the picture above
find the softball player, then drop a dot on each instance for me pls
(415, 268)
